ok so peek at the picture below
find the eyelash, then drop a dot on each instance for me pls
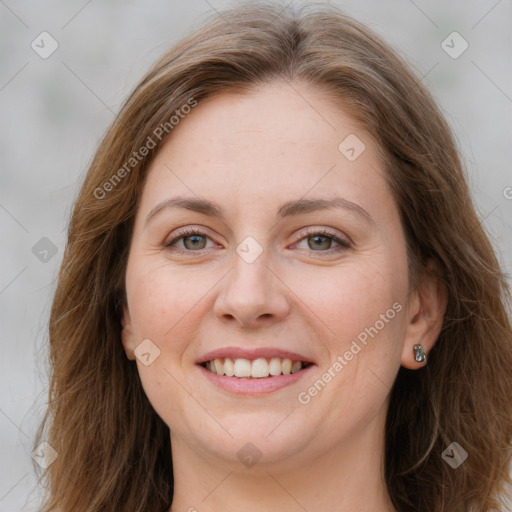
(343, 244)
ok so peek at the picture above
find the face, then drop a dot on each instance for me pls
(269, 278)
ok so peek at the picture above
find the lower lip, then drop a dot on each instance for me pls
(243, 386)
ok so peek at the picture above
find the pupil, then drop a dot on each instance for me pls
(318, 242)
(194, 240)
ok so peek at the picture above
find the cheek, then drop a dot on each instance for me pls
(162, 300)
(362, 347)
(343, 301)
(358, 315)
(163, 307)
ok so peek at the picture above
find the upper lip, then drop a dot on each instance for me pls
(253, 353)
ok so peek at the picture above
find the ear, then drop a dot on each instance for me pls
(426, 309)
(127, 334)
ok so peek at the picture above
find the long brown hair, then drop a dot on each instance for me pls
(113, 449)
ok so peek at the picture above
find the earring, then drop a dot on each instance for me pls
(420, 354)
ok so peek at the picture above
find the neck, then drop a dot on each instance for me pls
(348, 478)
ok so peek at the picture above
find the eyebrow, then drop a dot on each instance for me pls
(288, 209)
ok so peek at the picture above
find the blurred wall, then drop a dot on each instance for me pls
(57, 101)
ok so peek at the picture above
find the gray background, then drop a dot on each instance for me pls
(55, 110)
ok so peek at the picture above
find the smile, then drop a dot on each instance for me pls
(259, 368)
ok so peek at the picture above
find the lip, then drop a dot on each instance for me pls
(244, 386)
(254, 353)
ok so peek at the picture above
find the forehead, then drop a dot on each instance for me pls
(292, 121)
(278, 142)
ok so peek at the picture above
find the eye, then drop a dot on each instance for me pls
(321, 240)
(192, 238)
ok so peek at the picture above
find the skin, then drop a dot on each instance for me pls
(250, 154)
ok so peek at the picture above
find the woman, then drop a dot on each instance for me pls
(276, 294)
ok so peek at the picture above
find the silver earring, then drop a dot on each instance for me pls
(420, 354)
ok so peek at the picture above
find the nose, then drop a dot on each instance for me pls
(252, 294)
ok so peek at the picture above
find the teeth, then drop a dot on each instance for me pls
(296, 366)
(259, 368)
(229, 367)
(218, 366)
(256, 369)
(275, 366)
(242, 368)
